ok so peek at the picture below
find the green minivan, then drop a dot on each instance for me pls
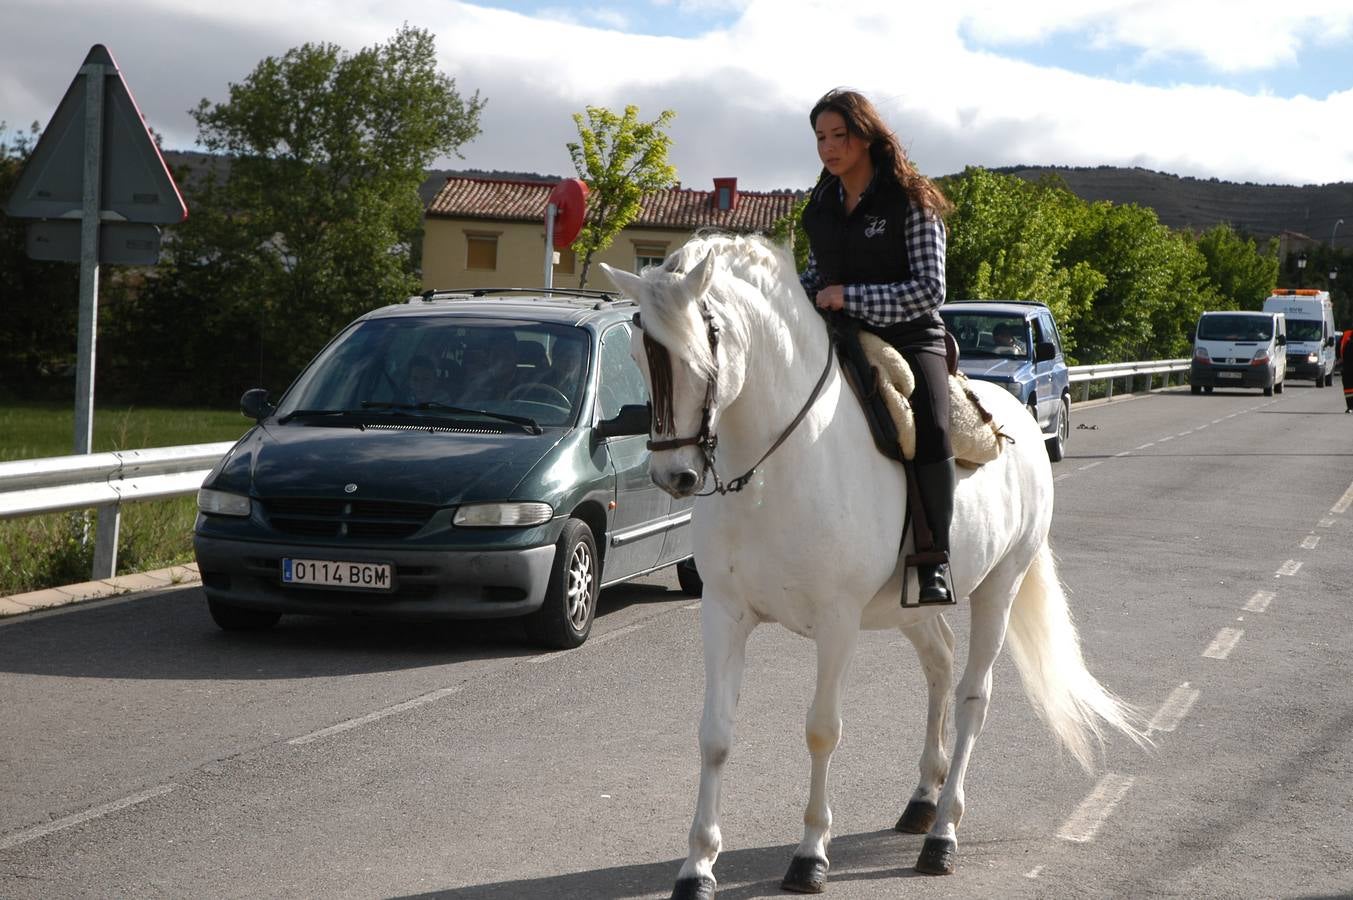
(467, 454)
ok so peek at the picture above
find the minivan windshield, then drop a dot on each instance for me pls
(446, 367)
(1235, 328)
(1303, 329)
(985, 334)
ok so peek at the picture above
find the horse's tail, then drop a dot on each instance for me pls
(1047, 651)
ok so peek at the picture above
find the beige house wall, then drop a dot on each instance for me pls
(521, 254)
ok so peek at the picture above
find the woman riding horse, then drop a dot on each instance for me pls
(876, 234)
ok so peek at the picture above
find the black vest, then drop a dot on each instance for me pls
(868, 246)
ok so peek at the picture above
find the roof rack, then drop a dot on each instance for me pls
(432, 294)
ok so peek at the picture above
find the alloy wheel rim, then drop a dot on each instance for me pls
(579, 587)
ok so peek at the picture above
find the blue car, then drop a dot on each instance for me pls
(1016, 345)
(467, 454)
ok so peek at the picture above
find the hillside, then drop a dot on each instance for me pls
(1259, 210)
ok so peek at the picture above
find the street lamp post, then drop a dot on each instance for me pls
(1334, 231)
(1301, 268)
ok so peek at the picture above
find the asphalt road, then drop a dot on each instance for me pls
(1205, 541)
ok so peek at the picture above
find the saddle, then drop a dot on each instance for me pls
(882, 380)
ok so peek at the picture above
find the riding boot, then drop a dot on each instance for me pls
(935, 482)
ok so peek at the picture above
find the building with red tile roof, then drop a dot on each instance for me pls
(490, 232)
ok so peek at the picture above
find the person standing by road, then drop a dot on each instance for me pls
(1347, 376)
(876, 240)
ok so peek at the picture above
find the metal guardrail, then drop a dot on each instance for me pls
(104, 481)
(1111, 372)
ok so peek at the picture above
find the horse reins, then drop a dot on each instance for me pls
(660, 371)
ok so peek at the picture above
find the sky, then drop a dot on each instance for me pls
(1238, 90)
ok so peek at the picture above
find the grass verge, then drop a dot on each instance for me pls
(49, 550)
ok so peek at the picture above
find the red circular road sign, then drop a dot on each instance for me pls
(570, 198)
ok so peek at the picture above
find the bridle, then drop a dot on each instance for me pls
(660, 373)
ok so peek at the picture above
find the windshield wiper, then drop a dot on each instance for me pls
(528, 423)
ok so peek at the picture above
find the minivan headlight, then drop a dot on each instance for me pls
(490, 515)
(1313, 357)
(222, 503)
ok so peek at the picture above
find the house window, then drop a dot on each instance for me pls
(725, 198)
(646, 255)
(481, 251)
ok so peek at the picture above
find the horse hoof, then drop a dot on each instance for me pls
(806, 875)
(938, 856)
(701, 888)
(917, 818)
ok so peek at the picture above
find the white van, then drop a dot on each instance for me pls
(1239, 349)
(1310, 332)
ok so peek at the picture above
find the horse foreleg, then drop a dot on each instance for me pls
(989, 617)
(835, 646)
(725, 640)
(934, 643)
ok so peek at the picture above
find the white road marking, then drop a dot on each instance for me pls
(1291, 567)
(695, 605)
(1186, 433)
(1126, 452)
(379, 714)
(1144, 446)
(1175, 708)
(1168, 437)
(33, 834)
(1344, 502)
(1085, 822)
(1033, 873)
(1223, 643)
(1310, 542)
(599, 640)
(1062, 476)
(1259, 602)
(1327, 523)
(1218, 421)
(1098, 462)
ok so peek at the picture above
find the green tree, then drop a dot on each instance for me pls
(317, 215)
(39, 301)
(1007, 238)
(1244, 275)
(620, 159)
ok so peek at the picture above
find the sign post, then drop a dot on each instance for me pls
(96, 169)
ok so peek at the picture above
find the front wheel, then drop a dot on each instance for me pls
(1278, 388)
(564, 620)
(1329, 379)
(1268, 391)
(1057, 444)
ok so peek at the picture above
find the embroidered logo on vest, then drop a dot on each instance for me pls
(876, 226)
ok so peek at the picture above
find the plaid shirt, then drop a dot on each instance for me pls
(881, 305)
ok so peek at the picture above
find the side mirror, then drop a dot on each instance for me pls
(1045, 351)
(1282, 340)
(633, 418)
(255, 405)
(1329, 341)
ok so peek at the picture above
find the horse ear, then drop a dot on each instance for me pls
(627, 283)
(699, 278)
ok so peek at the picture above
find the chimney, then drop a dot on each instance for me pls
(725, 193)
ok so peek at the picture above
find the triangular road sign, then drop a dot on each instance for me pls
(136, 183)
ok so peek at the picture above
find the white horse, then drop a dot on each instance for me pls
(813, 539)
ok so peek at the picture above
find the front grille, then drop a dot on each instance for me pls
(311, 517)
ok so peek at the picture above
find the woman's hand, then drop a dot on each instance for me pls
(831, 297)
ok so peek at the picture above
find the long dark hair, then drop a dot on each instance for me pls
(885, 151)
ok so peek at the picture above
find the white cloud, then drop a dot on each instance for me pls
(941, 73)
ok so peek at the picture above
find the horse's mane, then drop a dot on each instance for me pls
(754, 277)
